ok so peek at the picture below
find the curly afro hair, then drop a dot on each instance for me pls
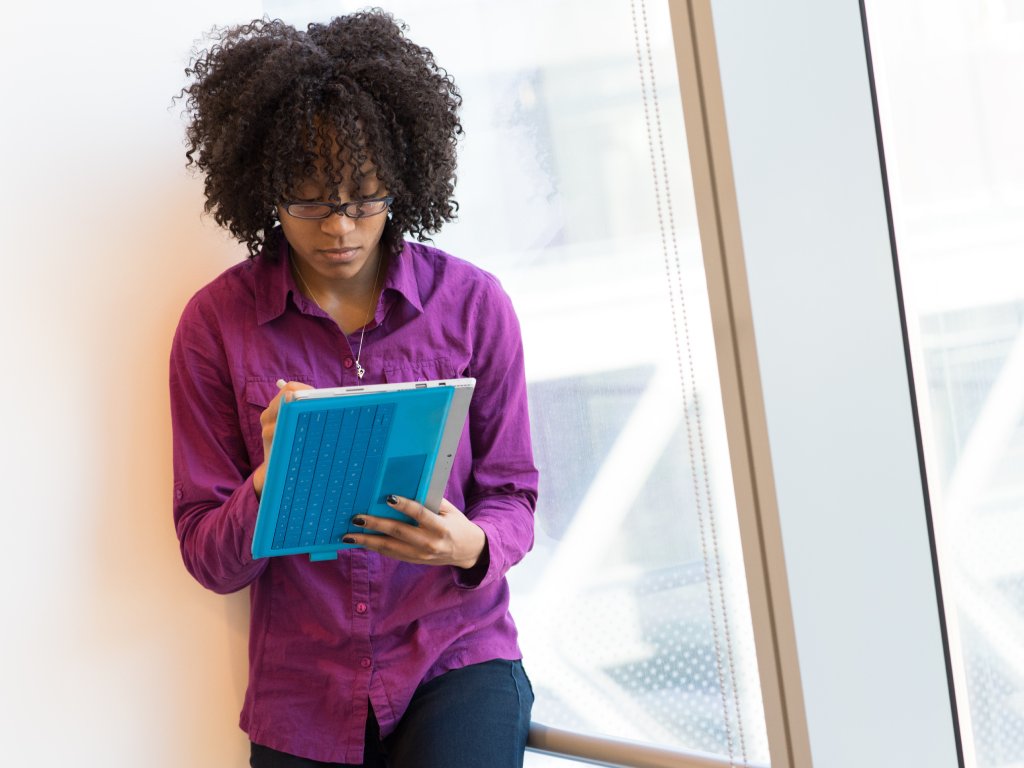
(269, 106)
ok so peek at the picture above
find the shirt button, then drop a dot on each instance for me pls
(348, 362)
(360, 607)
(365, 663)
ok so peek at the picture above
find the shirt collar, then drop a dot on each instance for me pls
(274, 280)
(401, 277)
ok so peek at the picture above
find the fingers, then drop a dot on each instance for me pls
(447, 508)
(285, 388)
(396, 550)
(423, 538)
(268, 418)
(417, 528)
(409, 507)
(397, 539)
(447, 538)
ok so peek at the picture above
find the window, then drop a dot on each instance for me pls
(574, 188)
(950, 77)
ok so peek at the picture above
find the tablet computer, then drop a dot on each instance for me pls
(338, 453)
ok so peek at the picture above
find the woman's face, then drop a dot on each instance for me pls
(338, 247)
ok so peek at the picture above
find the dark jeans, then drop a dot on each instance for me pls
(474, 717)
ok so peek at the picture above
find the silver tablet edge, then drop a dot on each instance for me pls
(312, 394)
(449, 443)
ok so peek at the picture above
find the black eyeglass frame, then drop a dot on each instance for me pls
(341, 209)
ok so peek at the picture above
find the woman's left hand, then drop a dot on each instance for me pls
(445, 538)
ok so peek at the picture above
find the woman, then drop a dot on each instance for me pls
(321, 150)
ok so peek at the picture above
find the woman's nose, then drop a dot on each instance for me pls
(338, 224)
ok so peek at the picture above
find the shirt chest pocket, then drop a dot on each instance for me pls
(259, 391)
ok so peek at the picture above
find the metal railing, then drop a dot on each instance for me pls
(618, 753)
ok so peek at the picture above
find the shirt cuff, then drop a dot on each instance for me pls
(487, 569)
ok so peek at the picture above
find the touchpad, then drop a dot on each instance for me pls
(402, 476)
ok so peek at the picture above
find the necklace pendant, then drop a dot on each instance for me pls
(360, 370)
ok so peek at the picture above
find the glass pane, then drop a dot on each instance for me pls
(575, 190)
(950, 78)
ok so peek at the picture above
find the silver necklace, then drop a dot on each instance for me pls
(360, 371)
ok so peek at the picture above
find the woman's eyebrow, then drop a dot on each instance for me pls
(305, 195)
(311, 189)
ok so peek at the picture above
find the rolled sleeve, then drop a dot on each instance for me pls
(509, 534)
(502, 494)
(215, 503)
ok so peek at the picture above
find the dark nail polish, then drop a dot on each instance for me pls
(392, 499)
(347, 540)
(358, 521)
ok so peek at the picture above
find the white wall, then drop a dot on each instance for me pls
(110, 655)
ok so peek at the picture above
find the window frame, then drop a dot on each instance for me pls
(797, 235)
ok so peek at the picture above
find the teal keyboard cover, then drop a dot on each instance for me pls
(337, 457)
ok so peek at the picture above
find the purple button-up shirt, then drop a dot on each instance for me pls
(327, 638)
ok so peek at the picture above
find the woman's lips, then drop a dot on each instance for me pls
(339, 254)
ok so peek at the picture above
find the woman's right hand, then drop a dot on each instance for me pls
(268, 421)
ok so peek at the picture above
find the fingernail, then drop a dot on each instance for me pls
(358, 521)
(392, 499)
(347, 540)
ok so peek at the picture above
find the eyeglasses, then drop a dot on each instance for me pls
(357, 209)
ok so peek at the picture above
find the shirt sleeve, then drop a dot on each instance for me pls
(502, 494)
(215, 503)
